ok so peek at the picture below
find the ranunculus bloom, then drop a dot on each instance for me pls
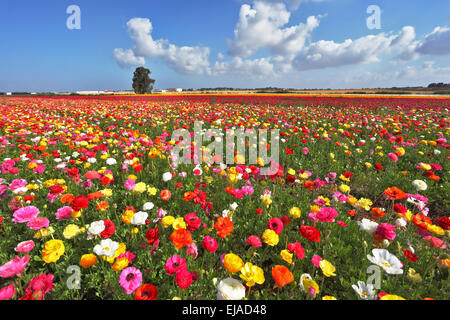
(14, 266)
(38, 287)
(109, 230)
(276, 225)
(130, 279)
(254, 241)
(7, 292)
(193, 221)
(184, 279)
(316, 260)
(175, 264)
(232, 262)
(210, 244)
(181, 238)
(386, 231)
(38, 223)
(282, 275)
(146, 292)
(297, 248)
(25, 246)
(326, 214)
(310, 233)
(25, 214)
(79, 202)
(152, 235)
(53, 250)
(63, 213)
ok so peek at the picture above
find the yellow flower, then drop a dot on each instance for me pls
(270, 237)
(352, 200)
(343, 178)
(53, 250)
(295, 212)
(327, 268)
(134, 230)
(413, 275)
(286, 256)
(291, 172)
(425, 166)
(252, 274)
(344, 188)
(132, 176)
(139, 187)
(167, 221)
(368, 165)
(128, 216)
(88, 260)
(307, 282)
(233, 263)
(314, 208)
(435, 229)
(44, 232)
(152, 191)
(71, 231)
(391, 297)
(179, 223)
(120, 264)
(328, 298)
(232, 178)
(365, 203)
(107, 192)
(332, 155)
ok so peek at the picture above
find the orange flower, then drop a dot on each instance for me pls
(309, 185)
(394, 193)
(102, 206)
(165, 195)
(66, 198)
(421, 221)
(181, 238)
(188, 196)
(282, 275)
(224, 227)
(95, 195)
(229, 189)
(434, 177)
(377, 213)
(351, 213)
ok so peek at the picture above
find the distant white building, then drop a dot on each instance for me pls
(9, 93)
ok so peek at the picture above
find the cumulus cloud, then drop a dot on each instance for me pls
(126, 58)
(436, 43)
(185, 59)
(261, 27)
(257, 68)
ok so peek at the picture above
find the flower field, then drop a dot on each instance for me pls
(93, 205)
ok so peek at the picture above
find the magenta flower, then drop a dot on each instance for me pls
(192, 250)
(38, 223)
(175, 264)
(326, 214)
(17, 183)
(14, 267)
(184, 279)
(25, 214)
(130, 279)
(316, 260)
(129, 184)
(276, 225)
(210, 244)
(39, 286)
(386, 230)
(63, 213)
(254, 241)
(393, 157)
(7, 292)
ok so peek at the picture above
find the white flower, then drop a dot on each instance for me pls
(419, 185)
(111, 161)
(95, 228)
(367, 225)
(75, 154)
(365, 291)
(233, 206)
(401, 222)
(437, 152)
(20, 190)
(148, 206)
(61, 165)
(57, 160)
(230, 289)
(167, 176)
(92, 160)
(139, 218)
(390, 263)
(106, 248)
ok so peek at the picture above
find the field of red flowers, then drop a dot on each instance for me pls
(93, 204)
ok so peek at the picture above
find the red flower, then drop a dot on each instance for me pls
(285, 220)
(410, 256)
(297, 248)
(146, 292)
(289, 151)
(276, 225)
(310, 233)
(259, 211)
(193, 222)
(378, 166)
(79, 202)
(224, 227)
(110, 228)
(152, 235)
(347, 174)
(443, 222)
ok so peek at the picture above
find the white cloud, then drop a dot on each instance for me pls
(261, 27)
(126, 58)
(185, 59)
(436, 43)
(256, 68)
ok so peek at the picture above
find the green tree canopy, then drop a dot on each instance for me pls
(142, 83)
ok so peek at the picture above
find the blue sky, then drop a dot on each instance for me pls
(231, 43)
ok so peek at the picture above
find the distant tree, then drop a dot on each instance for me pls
(142, 83)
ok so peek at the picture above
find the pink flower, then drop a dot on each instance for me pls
(129, 255)
(210, 244)
(305, 150)
(25, 214)
(14, 266)
(63, 213)
(17, 183)
(254, 241)
(393, 157)
(332, 175)
(341, 223)
(38, 223)
(39, 169)
(435, 242)
(276, 225)
(25, 246)
(192, 250)
(175, 264)
(386, 230)
(184, 279)
(129, 184)
(7, 292)
(316, 260)
(130, 279)
(39, 286)
(326, 214)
